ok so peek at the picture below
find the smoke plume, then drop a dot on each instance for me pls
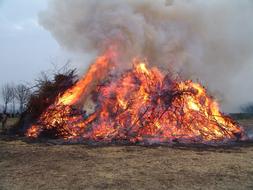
(206, 40)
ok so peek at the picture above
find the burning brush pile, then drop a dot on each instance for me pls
(141, 105)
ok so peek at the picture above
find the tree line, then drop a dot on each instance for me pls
(14, 95)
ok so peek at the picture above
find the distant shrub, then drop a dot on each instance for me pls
(248, 108)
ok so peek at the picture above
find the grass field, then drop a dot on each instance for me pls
(47, 166)
(11, 122)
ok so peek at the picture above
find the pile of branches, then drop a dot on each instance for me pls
(45, 92)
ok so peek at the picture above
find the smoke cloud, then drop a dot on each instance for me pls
(206, 40)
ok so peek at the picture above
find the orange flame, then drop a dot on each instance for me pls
(73, 95)
(33, 131)
(140, 105)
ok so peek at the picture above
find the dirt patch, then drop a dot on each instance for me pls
(46, 165)
(43, 166)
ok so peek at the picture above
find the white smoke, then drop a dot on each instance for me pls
(207, 40)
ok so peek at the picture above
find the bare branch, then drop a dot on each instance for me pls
(7, 95)
(22, 94)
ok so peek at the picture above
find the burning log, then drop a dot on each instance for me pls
(138, 106)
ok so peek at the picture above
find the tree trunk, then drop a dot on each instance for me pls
(5, 107)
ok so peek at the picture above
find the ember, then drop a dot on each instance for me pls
(141, 105)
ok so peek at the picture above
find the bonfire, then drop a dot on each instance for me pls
(140, 105)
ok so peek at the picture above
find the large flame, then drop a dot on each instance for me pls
(140, 105)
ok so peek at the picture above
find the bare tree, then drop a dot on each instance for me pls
(13, 98)
(22, 94)
(7, 92)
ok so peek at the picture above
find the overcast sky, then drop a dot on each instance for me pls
(26, 48)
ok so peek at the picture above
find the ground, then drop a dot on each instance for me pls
(45, 165)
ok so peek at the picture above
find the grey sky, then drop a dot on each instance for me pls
(26, 49)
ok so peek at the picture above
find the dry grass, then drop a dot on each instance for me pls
(11, 121)
(45, 166)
